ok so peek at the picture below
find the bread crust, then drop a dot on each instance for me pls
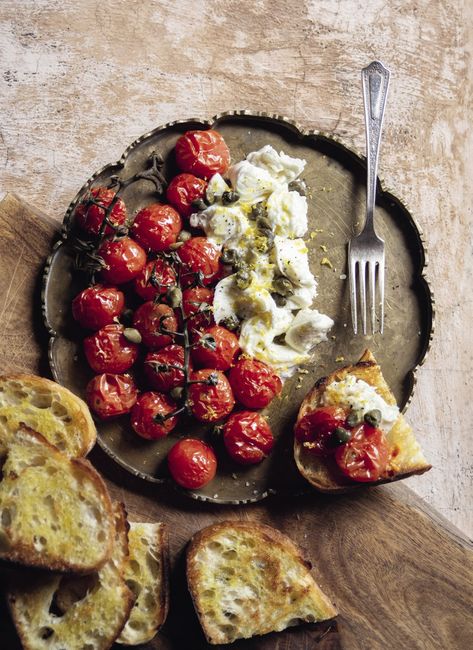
(323, 476)
(82, 418)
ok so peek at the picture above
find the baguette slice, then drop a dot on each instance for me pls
(48, 408)
(146, 574)
(247, 579)
(56, 612)
(408, 458)
(55, 512)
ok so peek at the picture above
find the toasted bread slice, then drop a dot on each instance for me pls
(407, 458)
(55, 512)
(247, 579)
(55, 612)
(146, 574)
(48, 408)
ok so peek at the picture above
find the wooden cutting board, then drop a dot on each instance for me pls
(400, 575)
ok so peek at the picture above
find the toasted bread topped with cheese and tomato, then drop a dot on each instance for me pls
(350, 432)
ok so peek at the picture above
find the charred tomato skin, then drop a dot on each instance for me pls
(226, 348)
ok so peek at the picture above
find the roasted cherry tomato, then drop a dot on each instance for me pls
(192, 463)
(149, 318)
(195, 303)
(211, 398)
(124, 260)
(156, 227)
(109, 351)
(217, 349)
(155, 278)
(97, 306)
(183, 190)
(203, 153)
(143, 414)
(161, 379)
(90, 216)
(316, 428)
(247, 437)
(110, 395)
(254, 383)
(365, 456)
(199, 255)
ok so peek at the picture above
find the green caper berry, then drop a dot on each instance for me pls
(257, 211)
(269, 236)
(354, 418)
(199, 204)
(341, 435)
(231, 323)
(278, 299)
(229, 197)
(229, 256)
(174, 295)
(263, 223)
(243, 279)
(373, 418)
(175, 245)
(184, 235)
(131, 334)
(298, 186)
(283, 286)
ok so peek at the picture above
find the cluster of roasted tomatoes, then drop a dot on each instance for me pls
(169, 345)
(356, 444)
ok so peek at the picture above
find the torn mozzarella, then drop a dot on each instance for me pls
(308, 328)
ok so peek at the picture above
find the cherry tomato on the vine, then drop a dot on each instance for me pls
(365, 456)
(109, 351)
(155, 279)
(156, 227)
(199, 255)
(196, 302)
(247, 437)
(143, 414)
(192, 463)
(183, 190)
(210, 399)
(165, 380)
(109, 395)
(90, 216)
(254, 383)
(317, 427)
(203, 153)
(149, 318)
(97, 306)
(217, 349)
(124, 260)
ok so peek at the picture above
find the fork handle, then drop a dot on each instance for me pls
(375, 82)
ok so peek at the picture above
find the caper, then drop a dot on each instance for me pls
(229, 197)
(174, 295)
(199, 204)
(278, 299)
(257, 211)
(341, 436)
(184, 235)
(175, 245)
(229, 256)
(263, 223)
(354, 418)
(231, 323)
(269, 236)
(298, 186)
(283, 286)
(132, 334)
(176, 392)
(243, 279)
(373, 418)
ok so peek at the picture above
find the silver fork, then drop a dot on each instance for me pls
(366, 250)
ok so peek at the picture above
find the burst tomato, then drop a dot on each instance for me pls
(254, 383)
(143, 414)
(110, 395)
(211, 398)
(203, 153)
(97, 306)
(149, 318)
(365, 456)
(199, 256)
(161, 379)
(124, 260)
(90, 216)
(195, 304)
(192, 463)
(183, 190)
(109, 351)
(247, 437)
(217, 349)
(156, 227)
(317, 427)
(155, 279)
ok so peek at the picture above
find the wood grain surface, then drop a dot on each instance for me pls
(399, 574)
(80, 80)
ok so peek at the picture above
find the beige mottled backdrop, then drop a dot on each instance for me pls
(80, 80)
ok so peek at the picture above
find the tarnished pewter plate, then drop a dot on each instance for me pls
(336, 180)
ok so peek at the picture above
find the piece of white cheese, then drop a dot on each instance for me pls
(287, 213)
(290, 256)
(252, 184)
(308, 329)
(281, 166)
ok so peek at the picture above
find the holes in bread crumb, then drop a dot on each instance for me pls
(39, 542)
(135, 567)
(153, 565)
(137, 625)
(41, 400)
(208, 593)
(228, 630)
(101, 536)
(144, 541)
(51, 470)
(214, 546)
(59, 410)
(134, 586)
(230, 554)
(6, 517)
(149, 601)
(45, 632)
